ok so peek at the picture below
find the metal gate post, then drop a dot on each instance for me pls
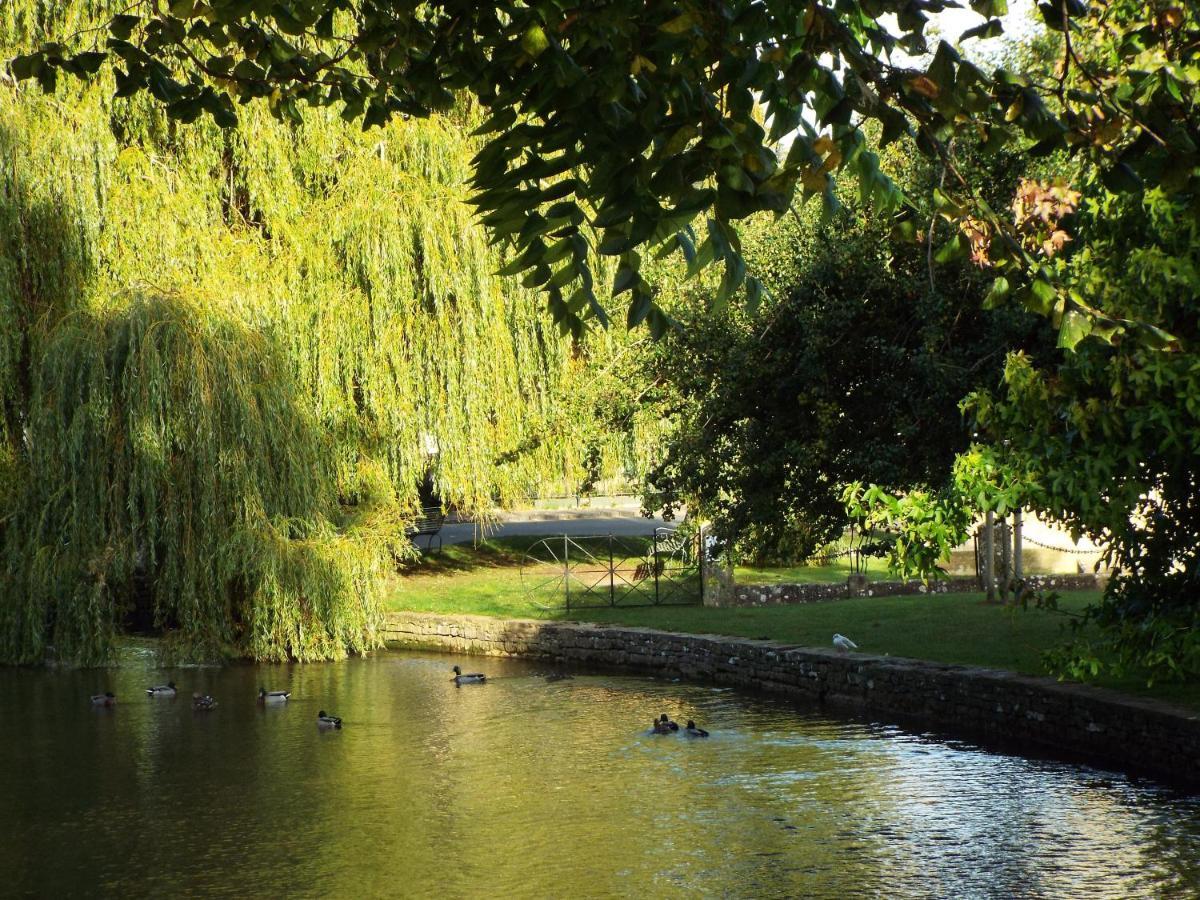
(566, 574)
(612, 594)
(656, 567)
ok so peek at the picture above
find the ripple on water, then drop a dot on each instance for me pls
(522, 786)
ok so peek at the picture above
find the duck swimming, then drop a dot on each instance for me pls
(108, 698)
(203, 702)
(667, 723)
(659, 727)
(693, 731)
(325, 720)
(470, 678)
(162, 690)
(265, 696)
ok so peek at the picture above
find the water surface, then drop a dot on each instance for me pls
(526, 788)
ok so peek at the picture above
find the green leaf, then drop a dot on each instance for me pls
(1074, 328)
(990, 8)
(989, 29)
(121, 26)
(90, 62)
(248, 70)
(905, 231)
(26, 66)
(285, 19)
(639, 308)
(678, 25)
(953, 249)
(625, 280)
(1121, 179)
(1042, 296)
(996, 293)
(754, 292)
(534, 41)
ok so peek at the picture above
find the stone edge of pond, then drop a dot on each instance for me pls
(1138, 735)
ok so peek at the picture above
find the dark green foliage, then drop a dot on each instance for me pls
(854, 372)
(1105, 438)
(628, 125)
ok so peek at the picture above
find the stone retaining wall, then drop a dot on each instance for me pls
(1100, 726)
(787, 594)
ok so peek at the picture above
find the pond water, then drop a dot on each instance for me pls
(527, 788)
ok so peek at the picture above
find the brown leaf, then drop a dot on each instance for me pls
(1171, 17)
(925, 86)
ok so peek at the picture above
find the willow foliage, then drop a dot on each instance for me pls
(226, 357)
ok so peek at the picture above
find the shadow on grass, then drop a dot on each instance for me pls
(453, 559)
(496, 553)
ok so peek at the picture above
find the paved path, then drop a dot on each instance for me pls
(462, 533)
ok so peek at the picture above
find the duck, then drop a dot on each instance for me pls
(659, 727)
(108, 698)
(265, 696)
(667, 724)
(162, 690)
(692, 731)
(203, 701)
(324, 720)
(470, 678)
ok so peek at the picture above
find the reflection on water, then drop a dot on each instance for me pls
(535, 789)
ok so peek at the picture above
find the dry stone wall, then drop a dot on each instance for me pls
(1102, 727)
(736, 594)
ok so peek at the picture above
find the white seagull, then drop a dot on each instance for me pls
(843, 643)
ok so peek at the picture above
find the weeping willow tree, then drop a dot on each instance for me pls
(229, 358)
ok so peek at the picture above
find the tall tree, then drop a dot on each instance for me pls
(229, 357)
(852, 371)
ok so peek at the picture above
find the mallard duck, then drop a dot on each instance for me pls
(265, 696)
(203, 701)
(667, 723)
(692, 731)
(108, 698)
(659, 727)
(162, 690)
(324, 720)
(469, 678)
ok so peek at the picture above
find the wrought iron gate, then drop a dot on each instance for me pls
(578, 572)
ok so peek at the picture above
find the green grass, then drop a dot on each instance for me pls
(951, 628)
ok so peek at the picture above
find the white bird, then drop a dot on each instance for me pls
(844, 643)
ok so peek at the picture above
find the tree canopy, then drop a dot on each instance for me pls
(625, 126)
(853, 370)
(230, 357)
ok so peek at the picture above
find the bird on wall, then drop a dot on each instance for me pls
(843, 643)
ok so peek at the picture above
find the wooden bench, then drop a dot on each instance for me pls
(428, 525)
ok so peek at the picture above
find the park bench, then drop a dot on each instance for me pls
(428, 525)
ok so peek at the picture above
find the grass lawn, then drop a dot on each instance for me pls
(952, 628)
